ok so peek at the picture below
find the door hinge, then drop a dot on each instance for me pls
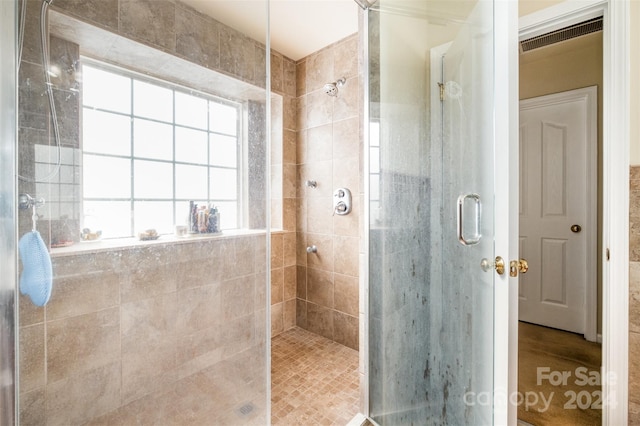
(608, 254)
(441, 86)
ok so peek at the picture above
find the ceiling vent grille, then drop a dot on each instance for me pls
(576, 30)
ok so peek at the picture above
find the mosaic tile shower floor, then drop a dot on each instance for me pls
(313, 380)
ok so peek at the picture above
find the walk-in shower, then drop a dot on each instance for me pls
(127, 117)
(173, 108)
(325, 178)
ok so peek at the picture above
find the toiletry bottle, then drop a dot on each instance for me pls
(202, 219)
(213, 225)
(216, 214)
(193, 217)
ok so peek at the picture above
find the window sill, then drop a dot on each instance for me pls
(86, 247)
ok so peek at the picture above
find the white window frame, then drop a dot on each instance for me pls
(241, 154)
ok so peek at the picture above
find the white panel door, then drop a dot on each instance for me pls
(557, 208)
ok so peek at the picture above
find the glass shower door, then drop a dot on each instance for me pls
(431, 246)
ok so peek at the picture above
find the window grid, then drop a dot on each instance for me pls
(375, 172)
(132, 130)
(206, 163)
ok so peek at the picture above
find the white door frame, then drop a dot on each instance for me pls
(616, 116)
(506, 161)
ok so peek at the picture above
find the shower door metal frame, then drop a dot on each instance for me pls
(363, 288)
(8, 211)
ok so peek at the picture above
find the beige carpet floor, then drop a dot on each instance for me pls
(558, 378)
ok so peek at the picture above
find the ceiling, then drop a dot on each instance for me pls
(298, 27)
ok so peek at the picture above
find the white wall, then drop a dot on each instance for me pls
(529, 6)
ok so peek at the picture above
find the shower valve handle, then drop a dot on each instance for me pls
(341, 201)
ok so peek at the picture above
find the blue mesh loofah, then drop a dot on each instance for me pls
(37, 273)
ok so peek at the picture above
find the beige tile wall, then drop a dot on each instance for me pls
(125, 325)
(634, 296)
(186, 33)
(328, 152)
(283, 181)
(130, 323)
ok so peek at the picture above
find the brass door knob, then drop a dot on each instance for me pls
(499, 265)
(516, 266)
(487, 265)
(576, 228)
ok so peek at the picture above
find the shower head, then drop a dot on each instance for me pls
(331, 89)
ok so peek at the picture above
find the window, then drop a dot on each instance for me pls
(375, 178)
(150, 147)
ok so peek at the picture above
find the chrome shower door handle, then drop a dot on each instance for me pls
(474, 237)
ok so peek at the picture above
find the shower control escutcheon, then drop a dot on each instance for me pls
(341, 201)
